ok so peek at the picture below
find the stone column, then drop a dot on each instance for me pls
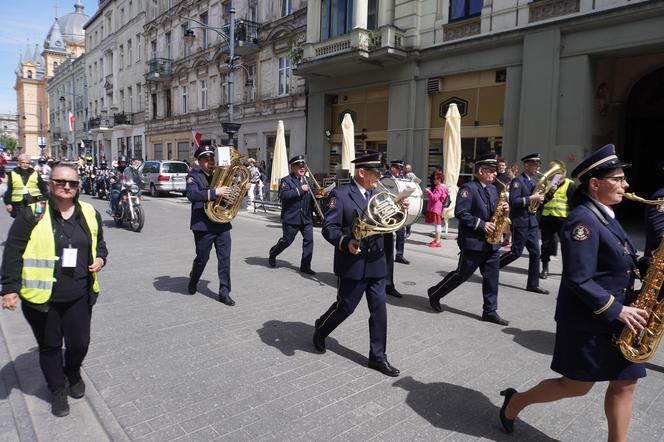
(511, 113)
(317, 147)
(313, 21)
(385, 13)
(360, 12)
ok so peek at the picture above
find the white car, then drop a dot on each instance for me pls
(163, 176)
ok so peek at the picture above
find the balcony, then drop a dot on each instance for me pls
(159, 69)
(379, 47)
(94, 123)
(246, 37)
(122, 119)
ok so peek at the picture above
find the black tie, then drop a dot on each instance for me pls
(488, 199)
(367, 194)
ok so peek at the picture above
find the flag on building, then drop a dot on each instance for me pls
(197, 138)
(72, 120)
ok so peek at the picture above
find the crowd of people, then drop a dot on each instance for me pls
(56, 247)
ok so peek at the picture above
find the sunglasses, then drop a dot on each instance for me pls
(73, 184)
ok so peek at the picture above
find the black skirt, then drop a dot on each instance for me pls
(583, 356)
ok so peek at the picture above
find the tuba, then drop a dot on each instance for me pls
(235, 176)
(383, 215)
(641, 347)
(556, 169)
(500, 218)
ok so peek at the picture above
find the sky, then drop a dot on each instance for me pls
(22, 20)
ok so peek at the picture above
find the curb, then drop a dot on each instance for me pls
(107, 419)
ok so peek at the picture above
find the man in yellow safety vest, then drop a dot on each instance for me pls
(554, 212)
(24, 186)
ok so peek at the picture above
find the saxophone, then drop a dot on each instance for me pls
(556, 168)
(500, 218)
(640, 347)
(236, 176)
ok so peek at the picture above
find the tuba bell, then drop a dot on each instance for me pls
(551, 177)
(383, 215)
(235, 176)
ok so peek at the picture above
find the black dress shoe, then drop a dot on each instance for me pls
(59, 404)
(272, 261)
(401, 259)
(384, 367)
(319, 342)
(508, 424)
(393, 292)
(434, 301)
(77, 390)
(192, 285)
(226, 300)
(307, 270)
(537, 290)
(544, 274)
(495, 319)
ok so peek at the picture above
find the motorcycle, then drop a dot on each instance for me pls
(101, 186)
(129, 208)
(86, 182)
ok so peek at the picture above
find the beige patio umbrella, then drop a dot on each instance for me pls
(279, 159)
(348, 144)
(451, 157)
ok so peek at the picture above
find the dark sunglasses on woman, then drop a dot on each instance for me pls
(62, 183)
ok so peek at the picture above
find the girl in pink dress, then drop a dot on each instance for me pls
(437, 195)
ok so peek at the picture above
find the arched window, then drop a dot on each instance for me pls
(29, 74)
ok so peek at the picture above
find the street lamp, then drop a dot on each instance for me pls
(231, 127)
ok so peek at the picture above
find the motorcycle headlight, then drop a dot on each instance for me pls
(134, 188)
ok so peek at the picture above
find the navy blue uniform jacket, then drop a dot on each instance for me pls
(199, 192)
(598, 264)
(520, 190)
(345, 202)
(654, 225)
(473, 209)
(296, 204)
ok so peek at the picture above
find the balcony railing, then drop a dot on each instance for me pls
(246, 36)
(94, 123)
(159, 69)
(388, 37)
(121, 118)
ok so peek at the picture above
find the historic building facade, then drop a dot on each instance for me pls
(559, 77)
(188, 86)
(64, 40)
(9, 126)
(115, 69)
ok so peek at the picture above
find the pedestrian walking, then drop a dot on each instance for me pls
(24, 186)
(53, 252)
(437, 195)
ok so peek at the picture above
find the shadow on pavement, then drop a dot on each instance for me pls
(28, 365)
(462, 410)
(178, 284)
(415, 302)
(538, 341)
(288, 337)
(323, 278)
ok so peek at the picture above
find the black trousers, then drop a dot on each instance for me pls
(222, 245)
(349, 295)
(529, 238)
(289, 233)
(550, 226)
(469, 261)
(64, 320)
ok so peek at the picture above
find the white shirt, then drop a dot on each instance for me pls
(362, 189)
(609, 211)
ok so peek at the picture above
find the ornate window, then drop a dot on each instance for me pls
(336, 18)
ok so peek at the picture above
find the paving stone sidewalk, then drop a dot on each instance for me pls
(164, 365)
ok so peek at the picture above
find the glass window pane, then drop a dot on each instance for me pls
(325, 20)
(476, 7)
(183, 149)
(457, 9)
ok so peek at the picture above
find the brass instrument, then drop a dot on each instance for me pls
(384, 215)
(546, 180)
(235, 176)
(640, 347)
(500, 218)
(318, 194)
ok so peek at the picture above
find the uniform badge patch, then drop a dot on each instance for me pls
(333, 202)
(190, 179)
(515, 185)
(284, 185)
(463, 193)
(580, 232)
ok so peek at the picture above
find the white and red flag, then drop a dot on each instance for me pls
(197, 138)
(72, 120)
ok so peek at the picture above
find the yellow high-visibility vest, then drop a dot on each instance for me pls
(31, 187)
(558, 206)
(39, 257)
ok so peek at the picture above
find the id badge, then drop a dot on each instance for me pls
(69, 257)
(25, 190)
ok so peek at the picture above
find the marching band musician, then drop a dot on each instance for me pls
(359, 265)
(599, 263)
(654, 222)
(475, 203)
(206, 232)
(395, 172)
(525, 230)
(296, 213)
